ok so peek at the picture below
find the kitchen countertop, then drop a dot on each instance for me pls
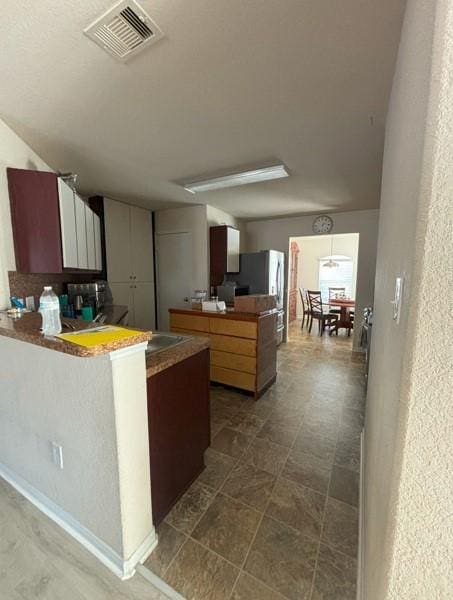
(157, 362)
(27, 329)
(229, 313)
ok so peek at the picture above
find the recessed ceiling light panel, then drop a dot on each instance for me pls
(235, 179)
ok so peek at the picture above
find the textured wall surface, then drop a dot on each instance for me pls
(96, 410)
(408, 495)
(275, 234)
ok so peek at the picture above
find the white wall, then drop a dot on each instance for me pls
(196, 220)
(275, 234)
(312, 248)
(96, 409)
(409, 422)
(13, 153)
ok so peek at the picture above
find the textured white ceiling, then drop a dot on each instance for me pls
(234, 83)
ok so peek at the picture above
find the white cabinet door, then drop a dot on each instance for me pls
(123, 294)
(117, 240)
(97, 242)
(68, 225)
(91, 246)
(232, 250)
(81, 232)
(144, 311)
(141, 244)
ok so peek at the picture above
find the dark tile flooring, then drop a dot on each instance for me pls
(274, 515)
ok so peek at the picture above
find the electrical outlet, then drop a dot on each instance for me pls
(30, 302)
(57, 454)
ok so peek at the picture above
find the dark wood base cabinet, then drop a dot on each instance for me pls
(179, 429)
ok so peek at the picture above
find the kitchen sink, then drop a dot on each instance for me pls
(162, 341)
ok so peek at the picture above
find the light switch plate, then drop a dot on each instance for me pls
(57, 454)
(397, 300)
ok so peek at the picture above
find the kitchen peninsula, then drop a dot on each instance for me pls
(243, 351)
(77, 426)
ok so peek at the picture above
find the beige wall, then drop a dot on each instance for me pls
(275, 233)
(96, 409)
(13, 153)
(312, 248)
(408, 550)
(196, 219)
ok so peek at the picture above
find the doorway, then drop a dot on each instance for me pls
(173, 274)
(324, 263)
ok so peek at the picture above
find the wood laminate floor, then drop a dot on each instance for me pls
(38, 560)
(274, 516)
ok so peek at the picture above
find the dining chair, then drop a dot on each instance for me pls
(305, 307)
(316, 307)
(333, 291)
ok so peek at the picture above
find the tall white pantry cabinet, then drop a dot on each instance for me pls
(130, 263)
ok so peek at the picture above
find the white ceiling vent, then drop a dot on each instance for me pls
(124, 30)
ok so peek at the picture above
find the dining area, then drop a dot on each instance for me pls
(333, 314)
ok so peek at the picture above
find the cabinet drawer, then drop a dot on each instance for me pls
(232, 344)
(245, 381)
(194, 322)
(233, 361)
(243, 329)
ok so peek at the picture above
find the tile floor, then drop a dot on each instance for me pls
(274, 515)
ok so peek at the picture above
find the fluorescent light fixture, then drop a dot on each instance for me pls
(234, 179)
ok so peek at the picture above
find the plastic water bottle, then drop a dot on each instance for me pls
(49, 307)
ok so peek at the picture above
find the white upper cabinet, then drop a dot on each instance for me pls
(141, 245)
(82, 250)
(130, 261)
(91, 246)
(67, 225)
(233, 239)
(117, 240)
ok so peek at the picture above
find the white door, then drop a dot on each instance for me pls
(174, 274)
(144, 311)
(81, 232)
(91, 242)
(123, 295)
(117, 240)
(141, 244)
(68, 225)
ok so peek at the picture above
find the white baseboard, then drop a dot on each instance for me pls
(124, 569)
(360, 561)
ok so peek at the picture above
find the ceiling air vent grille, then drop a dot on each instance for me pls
(124, 30)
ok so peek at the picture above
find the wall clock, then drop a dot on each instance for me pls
(322, 224)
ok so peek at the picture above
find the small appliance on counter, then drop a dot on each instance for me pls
(229, 290)
(88, 294)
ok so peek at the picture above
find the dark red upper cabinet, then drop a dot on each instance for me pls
(36, 221)
(223, 252)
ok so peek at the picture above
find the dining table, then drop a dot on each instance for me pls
(344, 320)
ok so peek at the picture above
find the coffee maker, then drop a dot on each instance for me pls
(93, 294)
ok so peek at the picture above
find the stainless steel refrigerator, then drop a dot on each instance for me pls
(264, 273)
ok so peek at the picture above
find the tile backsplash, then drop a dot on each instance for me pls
(31, 284)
